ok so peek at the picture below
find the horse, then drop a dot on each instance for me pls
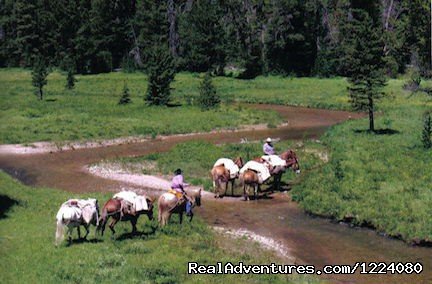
(250, 179)
(75, 213)
(113, 208)
(291, 160)
(220, 174)
(168, 204)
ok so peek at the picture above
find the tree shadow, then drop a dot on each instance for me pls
(5, 204)
(385, 131)
(51, 100)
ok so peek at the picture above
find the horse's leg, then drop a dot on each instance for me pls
(134, 222)
(232, 187)
(246, 192)
(79, 232)
(112, 224)
(181, 217)
(216, 188)
(86, 227)
(69, 233)
(102, 224)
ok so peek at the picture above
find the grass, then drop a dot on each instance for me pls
(377, 180)
(91, 110)
(28, 255)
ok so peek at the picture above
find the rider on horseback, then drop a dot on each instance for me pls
(268, 147)
(177, 185)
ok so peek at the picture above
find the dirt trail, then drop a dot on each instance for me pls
(311, 240)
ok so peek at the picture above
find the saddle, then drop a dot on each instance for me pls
(177, 194)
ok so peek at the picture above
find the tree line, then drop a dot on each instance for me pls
(309, 37)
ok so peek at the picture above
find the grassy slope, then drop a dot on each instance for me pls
(90, 111)
(378, 180)
(28, 254)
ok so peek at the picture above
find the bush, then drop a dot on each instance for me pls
(39, 75)
(161, 72)
(125, 98)
(427, 130)
(208, 97)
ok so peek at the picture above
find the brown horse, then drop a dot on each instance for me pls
(113, 208)
(250, 180)
(221, 175)
(168, 204)
(291, 160)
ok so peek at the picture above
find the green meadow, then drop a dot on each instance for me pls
(91, 110)
(28, 254)
(381, 180)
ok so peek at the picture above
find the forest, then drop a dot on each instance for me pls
(245, 38)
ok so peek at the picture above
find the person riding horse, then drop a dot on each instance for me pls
(268, 148)
(177, 189)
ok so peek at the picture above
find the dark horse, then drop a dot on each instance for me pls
(113, 208)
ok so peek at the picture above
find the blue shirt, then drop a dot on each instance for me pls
(268, 149)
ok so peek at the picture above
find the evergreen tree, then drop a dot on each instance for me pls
(152, 24)
(291, 38)
(39, 76)
(365, 64)
(125, 98)
(161, 72)
(427, 130)
(70, 80)
(203, 38)
(208, 96)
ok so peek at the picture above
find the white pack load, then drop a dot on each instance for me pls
(274, 160)
(70, 210)
(261, 169)
(139, 202)
(229, 165)
(88, 207)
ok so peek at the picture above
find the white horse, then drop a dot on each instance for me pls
(75, 213)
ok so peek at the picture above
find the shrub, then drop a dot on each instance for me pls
(208, 97)
(427, 130)
(125, 98)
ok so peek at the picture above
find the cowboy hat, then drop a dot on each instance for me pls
(269, 140)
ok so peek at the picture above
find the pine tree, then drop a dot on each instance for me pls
(365, 64)
(70, 79)
(161, 72)
(208, 96)
(203, 38)
(125, 98)
(39, 75)
(427, 130)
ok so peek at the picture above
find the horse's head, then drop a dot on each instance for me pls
(95, 205)
(195, 196)
(292, 161)
(239, 162)
(150, 201)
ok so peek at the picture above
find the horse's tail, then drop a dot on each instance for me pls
(59, 232)
(102, 221)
